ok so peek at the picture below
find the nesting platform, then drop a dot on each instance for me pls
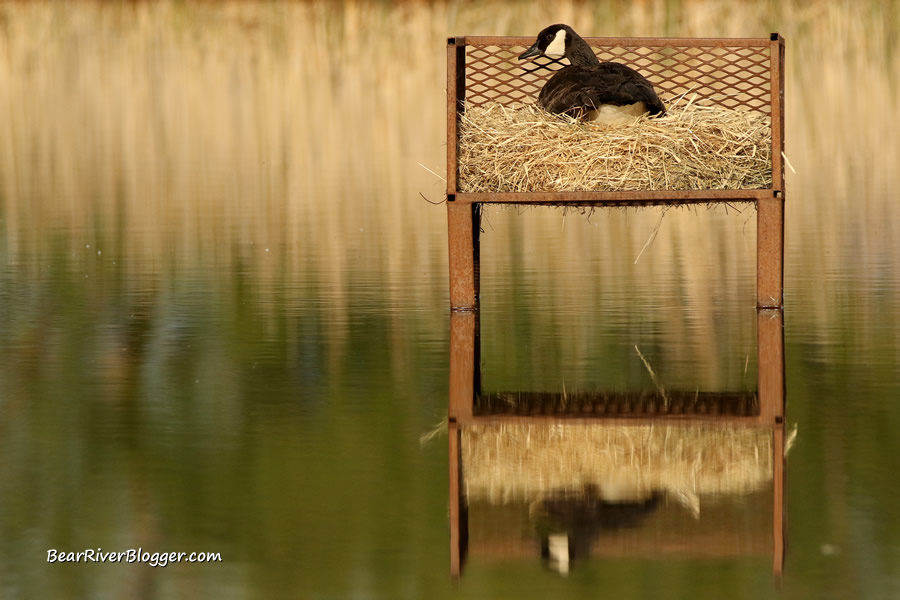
(728, 74)
(737, 75)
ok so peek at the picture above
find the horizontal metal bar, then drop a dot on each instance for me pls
(628, 42)
(507, 399)
(647, 197)
(467, 420)
(621, 404)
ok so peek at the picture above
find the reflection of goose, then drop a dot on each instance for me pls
(574, 521)
(587, 88)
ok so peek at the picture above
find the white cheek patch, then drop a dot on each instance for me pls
(557, 47)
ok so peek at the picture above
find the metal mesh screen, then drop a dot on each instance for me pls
(624, 404)
(736, 77)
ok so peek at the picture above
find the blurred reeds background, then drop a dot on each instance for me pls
(277, 139)
(174, 121)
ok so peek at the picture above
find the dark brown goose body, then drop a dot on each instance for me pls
(577, 91)
(587, 88)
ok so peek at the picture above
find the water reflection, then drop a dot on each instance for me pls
(560, 479)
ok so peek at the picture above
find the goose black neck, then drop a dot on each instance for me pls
(579, 52)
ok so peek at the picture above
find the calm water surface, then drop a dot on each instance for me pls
(189, 405)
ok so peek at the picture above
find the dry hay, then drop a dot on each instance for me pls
(507, 463)
(522, 148)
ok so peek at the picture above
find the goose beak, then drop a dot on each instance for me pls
(533, 51)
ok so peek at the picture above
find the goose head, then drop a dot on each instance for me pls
(559, 41)
(552, 41)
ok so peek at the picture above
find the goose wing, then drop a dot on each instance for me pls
(573, 90)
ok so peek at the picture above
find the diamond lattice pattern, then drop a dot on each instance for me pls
(733, 77)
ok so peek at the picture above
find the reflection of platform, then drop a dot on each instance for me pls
(502, 532)
(511, 452)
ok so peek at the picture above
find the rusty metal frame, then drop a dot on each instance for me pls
(462, 208)
(465, 388)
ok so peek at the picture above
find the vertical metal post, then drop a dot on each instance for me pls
(776, 110)
(770, 361)
(771, 387)
(456, 95)
(463, 220)
(770, 211)
(463, 366)
(770, 251)
(465, 380)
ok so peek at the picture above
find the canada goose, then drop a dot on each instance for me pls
(588, 89)
(570, 525)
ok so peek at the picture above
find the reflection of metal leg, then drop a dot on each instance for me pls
(463, 222)
(455, 551)
(770, 345)
(770, 252)
(463, 363)
(464, 383)
(458, 514)
(770, 349)
(778, 514)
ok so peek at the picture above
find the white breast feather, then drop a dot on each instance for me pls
(610, 113)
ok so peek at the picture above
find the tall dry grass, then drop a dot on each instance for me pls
(192, 129)
(211, 131)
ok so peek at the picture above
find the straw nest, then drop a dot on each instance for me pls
(522, 148)
(510, 463)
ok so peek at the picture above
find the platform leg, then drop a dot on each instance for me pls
(463, 222)
(464, 364)
(770, 252)
(770, 344)
(770, 361)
